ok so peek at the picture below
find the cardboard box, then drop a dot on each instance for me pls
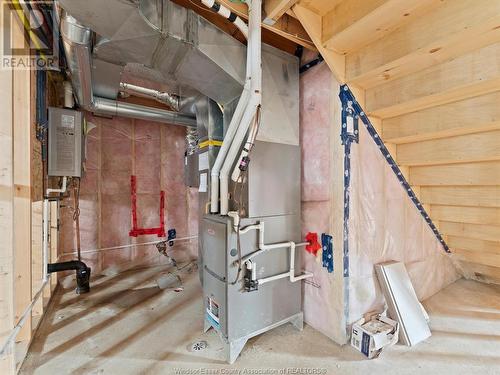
(370, 336)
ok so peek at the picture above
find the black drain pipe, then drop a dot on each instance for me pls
(82, 273)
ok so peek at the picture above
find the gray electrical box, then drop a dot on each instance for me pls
(65, 142)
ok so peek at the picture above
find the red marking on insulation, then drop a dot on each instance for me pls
(136, 231)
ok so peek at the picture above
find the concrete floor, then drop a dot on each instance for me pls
(127, 325)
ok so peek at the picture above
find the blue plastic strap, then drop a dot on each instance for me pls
(327, 255)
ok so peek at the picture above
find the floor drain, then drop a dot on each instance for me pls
(198, 346)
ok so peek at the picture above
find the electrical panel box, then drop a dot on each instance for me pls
(65, 148)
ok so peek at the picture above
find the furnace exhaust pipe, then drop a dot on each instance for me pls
(254, 50)
(238, 113)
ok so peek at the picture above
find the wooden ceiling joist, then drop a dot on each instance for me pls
(286, 26)
(274, 9)
(320, 7)
(286, 34)
(312, 22)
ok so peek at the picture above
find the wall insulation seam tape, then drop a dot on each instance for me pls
(349, 103)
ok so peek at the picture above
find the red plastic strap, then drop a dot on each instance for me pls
(314, 244)
(136, 231)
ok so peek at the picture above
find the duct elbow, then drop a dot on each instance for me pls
(74, 32)
(77, 42)
(171, 100)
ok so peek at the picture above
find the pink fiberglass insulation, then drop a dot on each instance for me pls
(386, 226)
(384, 223)
(116, 149)
(322, 301)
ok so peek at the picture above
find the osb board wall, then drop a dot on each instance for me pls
(116, 149)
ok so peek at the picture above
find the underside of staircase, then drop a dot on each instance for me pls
(427, 72)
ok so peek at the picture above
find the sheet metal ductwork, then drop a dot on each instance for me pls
(191, 55)
(159, 41)
(77, 40)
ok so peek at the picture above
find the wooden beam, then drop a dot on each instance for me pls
(336, 208)
(286, 41)
(287, 26)
(353, 24)
(320, 7)
(469, 174)
(274, 9)
(474, 231)
(22, 195)
(461, 149)
(462, 214)
(7, 362)
(470, 244)
(473, 74)
(37, 261)
(472, 115)
(312, 23)
(54, 239)
(450, 30)
(479, 196)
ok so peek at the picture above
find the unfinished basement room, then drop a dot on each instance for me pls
(250, 187)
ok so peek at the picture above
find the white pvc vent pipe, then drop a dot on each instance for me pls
(266, 247)
(254, 51)
(233, 127)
